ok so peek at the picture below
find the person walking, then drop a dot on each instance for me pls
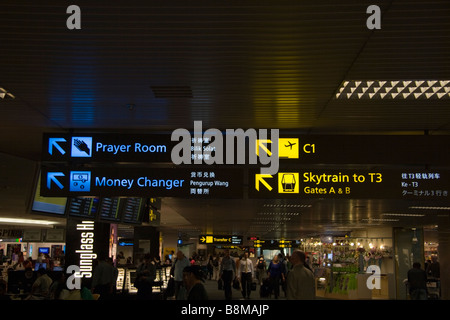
(210, 267)
(246, 275)
(276, 273)
(216, 267)
(417, 281)
(300, 283)
(179, 264)
(227, 273)
(261, 269)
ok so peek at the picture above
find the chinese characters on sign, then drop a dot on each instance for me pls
(424, 185)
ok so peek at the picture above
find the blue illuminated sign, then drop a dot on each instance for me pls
(107, 148)
(142, 182)
(81, 147)
(80, 181)
(53, 145)
(53, 177)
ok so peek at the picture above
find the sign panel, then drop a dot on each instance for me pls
(344, 183)
(107, 147)
(142, 182)
(220, 239)
(275, 243)
(292, 149)
(363, 149)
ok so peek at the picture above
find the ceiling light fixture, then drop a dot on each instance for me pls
(403, 214)
(279, 213)
(288, 205)
(5, 94)
(429, 208)
(381, 220)
(396, 89)
(27, 221)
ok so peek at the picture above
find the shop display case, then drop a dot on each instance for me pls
(127, 276)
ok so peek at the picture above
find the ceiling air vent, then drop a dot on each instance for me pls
(172, 91)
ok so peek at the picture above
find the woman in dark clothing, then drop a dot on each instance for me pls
(276, 273)
(193, 281)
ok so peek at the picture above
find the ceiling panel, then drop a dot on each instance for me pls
(248, 64)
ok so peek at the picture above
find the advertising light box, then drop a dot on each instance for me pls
(142, 182)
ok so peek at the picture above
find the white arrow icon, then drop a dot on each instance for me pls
(53, 142)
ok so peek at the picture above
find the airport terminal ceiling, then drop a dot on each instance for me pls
(304, 67)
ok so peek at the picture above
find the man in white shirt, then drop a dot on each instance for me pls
(246, 275)
(227, 273)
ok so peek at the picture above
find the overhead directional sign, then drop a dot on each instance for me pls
(142, 182)
(258, 243)
(292, 149)
(107, 147)
(220, 239)
(360, 149)
(53, 177)
(420, 184)
(287, 147)
(54, 147)
(275, 243)
(260, 181)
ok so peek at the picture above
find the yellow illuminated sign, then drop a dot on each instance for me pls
(211, 239)
(287, 147)
(288, 182)
(262, 144)
(152, 216)
(259, 179)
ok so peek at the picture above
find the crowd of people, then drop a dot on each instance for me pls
(291, 274)
(288, 275)
(46, 284)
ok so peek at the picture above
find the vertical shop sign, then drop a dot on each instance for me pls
(84, 268)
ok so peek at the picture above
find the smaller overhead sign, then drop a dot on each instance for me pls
(220, 239)
(275, 243)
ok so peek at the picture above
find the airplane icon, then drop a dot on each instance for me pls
(290, 144)
(288, 148)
